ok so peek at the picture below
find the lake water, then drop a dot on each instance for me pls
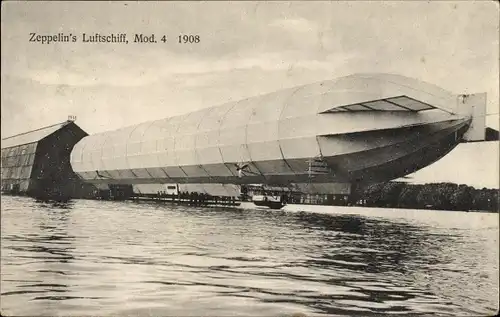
(125, 258)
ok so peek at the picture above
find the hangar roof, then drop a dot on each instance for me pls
(32, 136)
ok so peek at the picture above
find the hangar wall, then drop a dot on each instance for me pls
(37, 163)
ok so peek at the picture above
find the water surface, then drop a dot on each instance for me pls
(126, 258)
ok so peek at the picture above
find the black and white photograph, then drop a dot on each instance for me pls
(250, 158)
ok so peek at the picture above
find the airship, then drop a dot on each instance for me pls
(349, 131)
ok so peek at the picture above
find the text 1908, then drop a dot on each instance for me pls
(184, 39)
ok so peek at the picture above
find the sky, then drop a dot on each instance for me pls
(246, 49)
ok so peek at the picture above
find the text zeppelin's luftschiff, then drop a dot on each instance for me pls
(360, 129)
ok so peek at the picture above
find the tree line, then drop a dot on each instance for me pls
(441, 196)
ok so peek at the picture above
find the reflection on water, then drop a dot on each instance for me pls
(115, 258)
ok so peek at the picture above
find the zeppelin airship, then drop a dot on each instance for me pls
(357, 129)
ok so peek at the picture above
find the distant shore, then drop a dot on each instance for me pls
(435, 196)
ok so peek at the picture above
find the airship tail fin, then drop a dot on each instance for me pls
(473, 105)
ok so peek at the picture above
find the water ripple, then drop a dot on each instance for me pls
(111, 258)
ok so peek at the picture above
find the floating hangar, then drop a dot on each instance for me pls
(361, 128)
(37, 162)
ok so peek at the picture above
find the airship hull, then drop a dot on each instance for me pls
(359, 129)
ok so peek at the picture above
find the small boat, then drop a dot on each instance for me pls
(273, 202)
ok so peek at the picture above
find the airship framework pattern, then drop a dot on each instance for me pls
(357, 129)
